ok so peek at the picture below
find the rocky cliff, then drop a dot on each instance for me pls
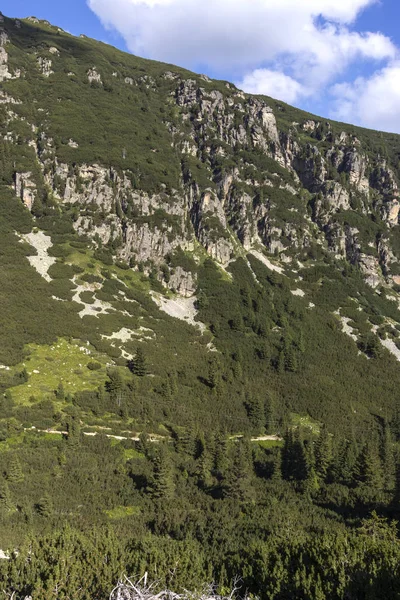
(249, 172)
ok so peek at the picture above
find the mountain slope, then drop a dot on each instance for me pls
(155, 168)
(199, 326)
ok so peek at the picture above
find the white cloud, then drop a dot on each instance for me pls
(242, 33)
(272, 83)
(288, 49)
(373, 102)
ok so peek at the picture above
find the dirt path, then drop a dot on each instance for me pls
(151, 438)
(134, 438)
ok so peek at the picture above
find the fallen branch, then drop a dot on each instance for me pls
(141, 590)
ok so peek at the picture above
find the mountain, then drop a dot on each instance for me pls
(184, 266)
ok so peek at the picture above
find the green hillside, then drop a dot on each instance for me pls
(200, 333)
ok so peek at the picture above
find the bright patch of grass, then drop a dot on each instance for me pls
(270, 443)
(132, 453)
(121, 512)
(306, 422)
(62, 362)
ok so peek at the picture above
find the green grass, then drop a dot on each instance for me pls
(267, 444)
(305, 422)
(121, 512)
(63, 362)
(132, 453)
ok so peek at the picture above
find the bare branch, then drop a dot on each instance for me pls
(142, 590)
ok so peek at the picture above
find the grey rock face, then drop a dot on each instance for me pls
(183, 282)
(25, 188)
(282, 187)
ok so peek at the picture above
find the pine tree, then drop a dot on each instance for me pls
(60, 392)
(5, 497)
(246, 295)
(290, 359)
(169, 387)
(173, 382)
(323, 454)
(397, 485)
(115, 386)
(281, 362)
(143, 444)
(276, 476)
(186, 442)
(395, 424)
(294, 457)
(310, 483)
(237, 484)
(287, 454)
(388, 461)
(214, 374)
(237, 370)
(270, 415)
(45, 506)
(204, 468)
(221, 454)
(138, 365)
(14, 473)
(255, 412)
(368, 469)
(162, 483)
(73, 432)
(236, 323)
(301, 342)
(344, 461)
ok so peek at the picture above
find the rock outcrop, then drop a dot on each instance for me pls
(248, 177)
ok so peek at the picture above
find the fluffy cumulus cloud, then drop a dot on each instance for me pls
(289, 49)
(373, 102)
(273, 83)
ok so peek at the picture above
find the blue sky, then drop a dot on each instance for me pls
(337, 58)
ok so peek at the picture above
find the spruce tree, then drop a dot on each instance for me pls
(368, 469)
(323, 454)
(280, 365)
(214, 374)
(388, 461)
(287, 454)
(237, 370)
(294, 457)
(237, 484)
(162, 483)
(14, 473)
(344, 461)
(45, 506)
(270, 420)
(395, 424)
(290, 359)
(397, 485)
(60, 392)
(73, 432)
(221, 454)
(186, 442)
(203, 468)
(236, 323)
(115, 386)
(5, 497)
(138, 366)
(255, 412)
(276, 476)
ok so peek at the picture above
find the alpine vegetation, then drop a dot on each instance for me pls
(200, 335)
